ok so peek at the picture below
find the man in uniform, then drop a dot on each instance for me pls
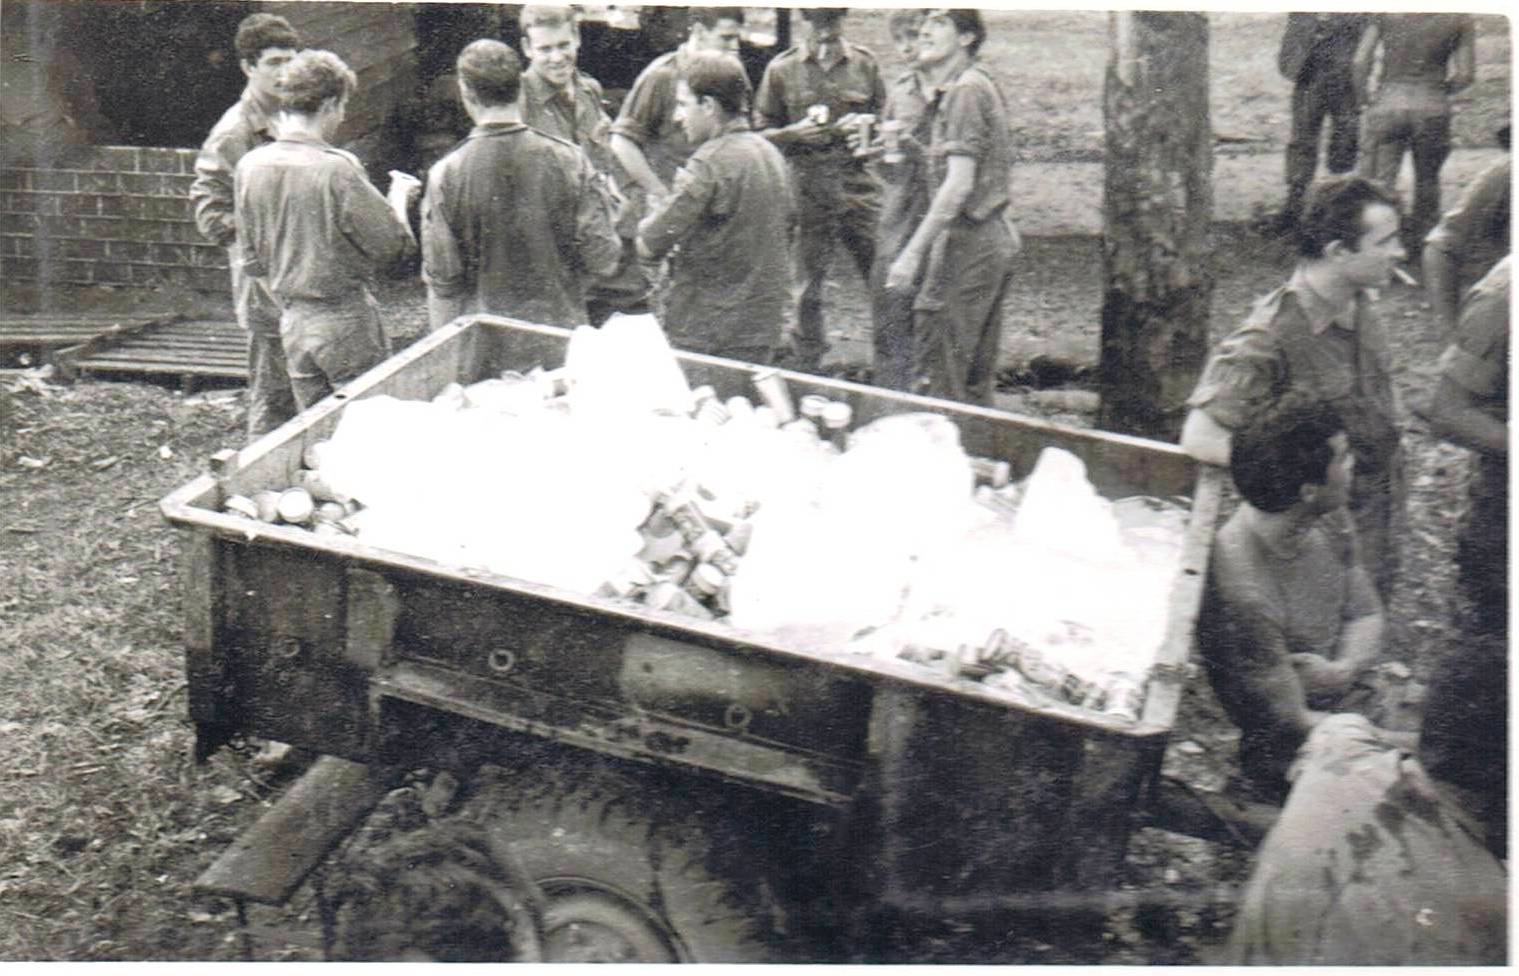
(1318, 333)
(264, 44)
(1316, 55)
(560, 100)
(732, 214)
(514, 221)
(958, 261)
(1290, 619)
(647, 139)
(1469, 240)
(805, 92)
(1426, 58)
(313, 227)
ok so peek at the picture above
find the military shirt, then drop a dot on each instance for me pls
(1417, 48)
(310, 222)
(576, 116)
(731, 212)
(648, 115)
(514, 219)
(243, 127)
(1476, 233)
(1292, 339)
(968, 117)
(795, 80)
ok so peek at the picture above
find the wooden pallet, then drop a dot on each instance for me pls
(173, 346)
(43, 332)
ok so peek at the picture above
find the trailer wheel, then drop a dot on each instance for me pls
(631, 871)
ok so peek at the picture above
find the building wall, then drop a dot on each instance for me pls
(111, 215)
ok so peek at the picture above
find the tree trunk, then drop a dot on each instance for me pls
(1157, 206)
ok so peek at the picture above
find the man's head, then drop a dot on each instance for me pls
(490, 75)
(317, 84)
(823, 23)
(551, 41)
(716, 28)
(1352, 223)
(712, 90)
(1295, 452)
(904, 23)
(264, 43)
(946, 34)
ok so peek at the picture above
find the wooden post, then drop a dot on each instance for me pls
(1157, 206)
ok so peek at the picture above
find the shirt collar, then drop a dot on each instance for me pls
(1317, 309)
(944, 85)
(540, 86)
(305, 140)
(736, 124)
(810, 52)
(496, 128)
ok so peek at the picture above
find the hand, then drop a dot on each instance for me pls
(806, 133)
(404, 188)
(1321, 676)
(903, 271)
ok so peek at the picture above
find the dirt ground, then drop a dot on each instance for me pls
(105, 822)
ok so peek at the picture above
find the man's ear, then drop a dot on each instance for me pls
(1334, 249)
(247, 67)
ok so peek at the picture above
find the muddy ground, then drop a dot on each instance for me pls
(104, 821)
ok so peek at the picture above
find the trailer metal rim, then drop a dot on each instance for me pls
(587, 921)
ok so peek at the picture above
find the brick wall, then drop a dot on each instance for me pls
(114, 215)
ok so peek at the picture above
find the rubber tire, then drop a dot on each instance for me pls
(647, 839)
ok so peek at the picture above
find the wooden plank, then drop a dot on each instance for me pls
(270, 860)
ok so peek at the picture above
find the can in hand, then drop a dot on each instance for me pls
(864, 122)
(891, 140)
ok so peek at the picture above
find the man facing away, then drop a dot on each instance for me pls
(514, 221)
(1319, 334)
(264, 44)
(560, 100)
(316, 231)
(838, 197)
(1290, 618)
(1426, 58)
(958, 261)
(1316, 55)
(1469, 239)
(731, 213)
(648, 141)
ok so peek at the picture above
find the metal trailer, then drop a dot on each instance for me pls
(680, 790)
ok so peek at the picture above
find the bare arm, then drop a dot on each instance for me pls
(1365, 58)
(959, 180)
(1463, 63)
(630, 154)
(1440, 284)
(1205, 439)
(1453, 415)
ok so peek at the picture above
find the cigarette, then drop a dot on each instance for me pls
(1405, 277)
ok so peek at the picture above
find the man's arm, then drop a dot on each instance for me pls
(630, 154)
(212, 191)
(774, 122)
(959, 180)
(1365, 58)
(1454, 416)
(1473, 367)
(695, 186)
(374, 224)
(1205, 439)
(596, 240)
(1463, 62)
(443, 268)
(1440, 282)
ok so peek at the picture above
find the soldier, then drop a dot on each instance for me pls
(1469, 239)
(805, 92)
(647, 139)
(311, 225)
(264, 44)
(1316, 55)
(732, 214)
(514, 221)
(1318, 333)
(560, 100)
(1426, 58)
(958, 261)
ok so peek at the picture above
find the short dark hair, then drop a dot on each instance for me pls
(904, 17)
(1336, 211)
(966, 21)
(491, 71)
(1283, 448)
(709, 16)
(825, 14)
(544, 15)
(721, 76)
(259, 32)
(313, 77)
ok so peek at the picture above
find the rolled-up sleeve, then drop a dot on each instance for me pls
(1240, 379)
(770, 101)
(596, 239)
(1474, 360)
(968, 119)
(695, 188)
(443, 267)
(365, 218)
(646, 106)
